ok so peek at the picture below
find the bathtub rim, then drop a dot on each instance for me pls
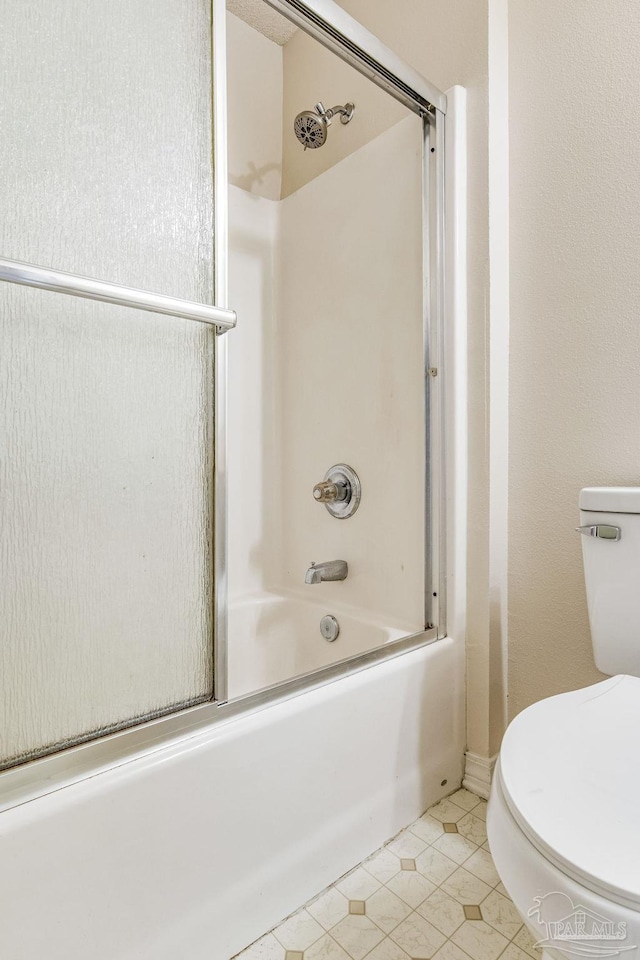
(47, 774)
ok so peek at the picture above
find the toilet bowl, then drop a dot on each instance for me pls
(564, 813)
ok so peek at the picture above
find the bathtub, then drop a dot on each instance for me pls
(195, 847)
(275, 636)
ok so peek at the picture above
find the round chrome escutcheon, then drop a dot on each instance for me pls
(329, 628)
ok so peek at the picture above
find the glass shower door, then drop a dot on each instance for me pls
(106, 422)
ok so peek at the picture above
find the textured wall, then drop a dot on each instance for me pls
(575, 288)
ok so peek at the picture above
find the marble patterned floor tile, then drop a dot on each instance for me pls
(455, 846)
(513, 952)
(329, 908)
(386, 909)
(435, 866)
(465, 799)
(481, 811)
(480, 864)
(449, 951)
(442, 911)
(299, 931)
(326, 948)
(407, 844)
(526, 942)
(383, 865)
(447, 811)
(358, 935)
(479, 940)
(419, 938)
(387, 950)
(411, 887)
(473, 828)
(427, 828)
(465, 887)
(500, 913)
(452, 906)
(358, 885)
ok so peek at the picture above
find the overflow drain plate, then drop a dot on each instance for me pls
(329, 628)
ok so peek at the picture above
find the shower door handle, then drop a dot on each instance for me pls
(30, 275)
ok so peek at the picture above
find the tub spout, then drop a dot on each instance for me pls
(330, 570)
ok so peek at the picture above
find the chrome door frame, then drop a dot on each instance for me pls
(335, 29)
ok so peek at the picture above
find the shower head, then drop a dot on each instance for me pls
(310, 126)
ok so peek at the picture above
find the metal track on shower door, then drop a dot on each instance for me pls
(335, 29)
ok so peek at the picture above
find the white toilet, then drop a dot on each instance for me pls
(564, 813)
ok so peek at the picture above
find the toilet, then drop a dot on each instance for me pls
(564, 813)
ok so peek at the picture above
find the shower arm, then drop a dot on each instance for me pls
(344, 112)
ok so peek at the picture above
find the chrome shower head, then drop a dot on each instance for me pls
(310, 127)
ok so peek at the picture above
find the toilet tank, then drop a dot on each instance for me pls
(610, 524)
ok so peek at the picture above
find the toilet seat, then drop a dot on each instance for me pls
(569, 771)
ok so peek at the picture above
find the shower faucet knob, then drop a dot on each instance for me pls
(328, 492)
(339, 491)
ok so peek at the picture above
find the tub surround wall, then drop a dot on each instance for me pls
(352, 374)
(326, 365)
(254, 97)
(253, 439)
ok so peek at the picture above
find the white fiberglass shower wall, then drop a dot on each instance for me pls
(105, 426)
(328, 368)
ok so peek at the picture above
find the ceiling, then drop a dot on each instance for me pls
(263, 18)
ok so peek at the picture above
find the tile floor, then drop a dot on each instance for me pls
(431, 893)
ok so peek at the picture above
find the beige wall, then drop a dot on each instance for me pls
(254, 96)
(575, 289)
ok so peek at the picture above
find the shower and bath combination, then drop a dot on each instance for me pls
(311, 126)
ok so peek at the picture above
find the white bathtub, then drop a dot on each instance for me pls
(196, 848)
(273, 637)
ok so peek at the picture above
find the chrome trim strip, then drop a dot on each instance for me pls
(30, 275)
(46, 775)
(435, 333)
(221, 254)
(336, 30)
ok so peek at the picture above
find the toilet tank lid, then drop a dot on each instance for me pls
(610, 499)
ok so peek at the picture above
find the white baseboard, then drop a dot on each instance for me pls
(477, 773)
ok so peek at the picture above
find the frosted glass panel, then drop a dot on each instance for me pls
(105, 523)
(105, 416)
(105, 146)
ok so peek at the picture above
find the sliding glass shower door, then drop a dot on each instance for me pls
(106, 420)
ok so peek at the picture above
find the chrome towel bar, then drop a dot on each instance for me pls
(30, 275)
